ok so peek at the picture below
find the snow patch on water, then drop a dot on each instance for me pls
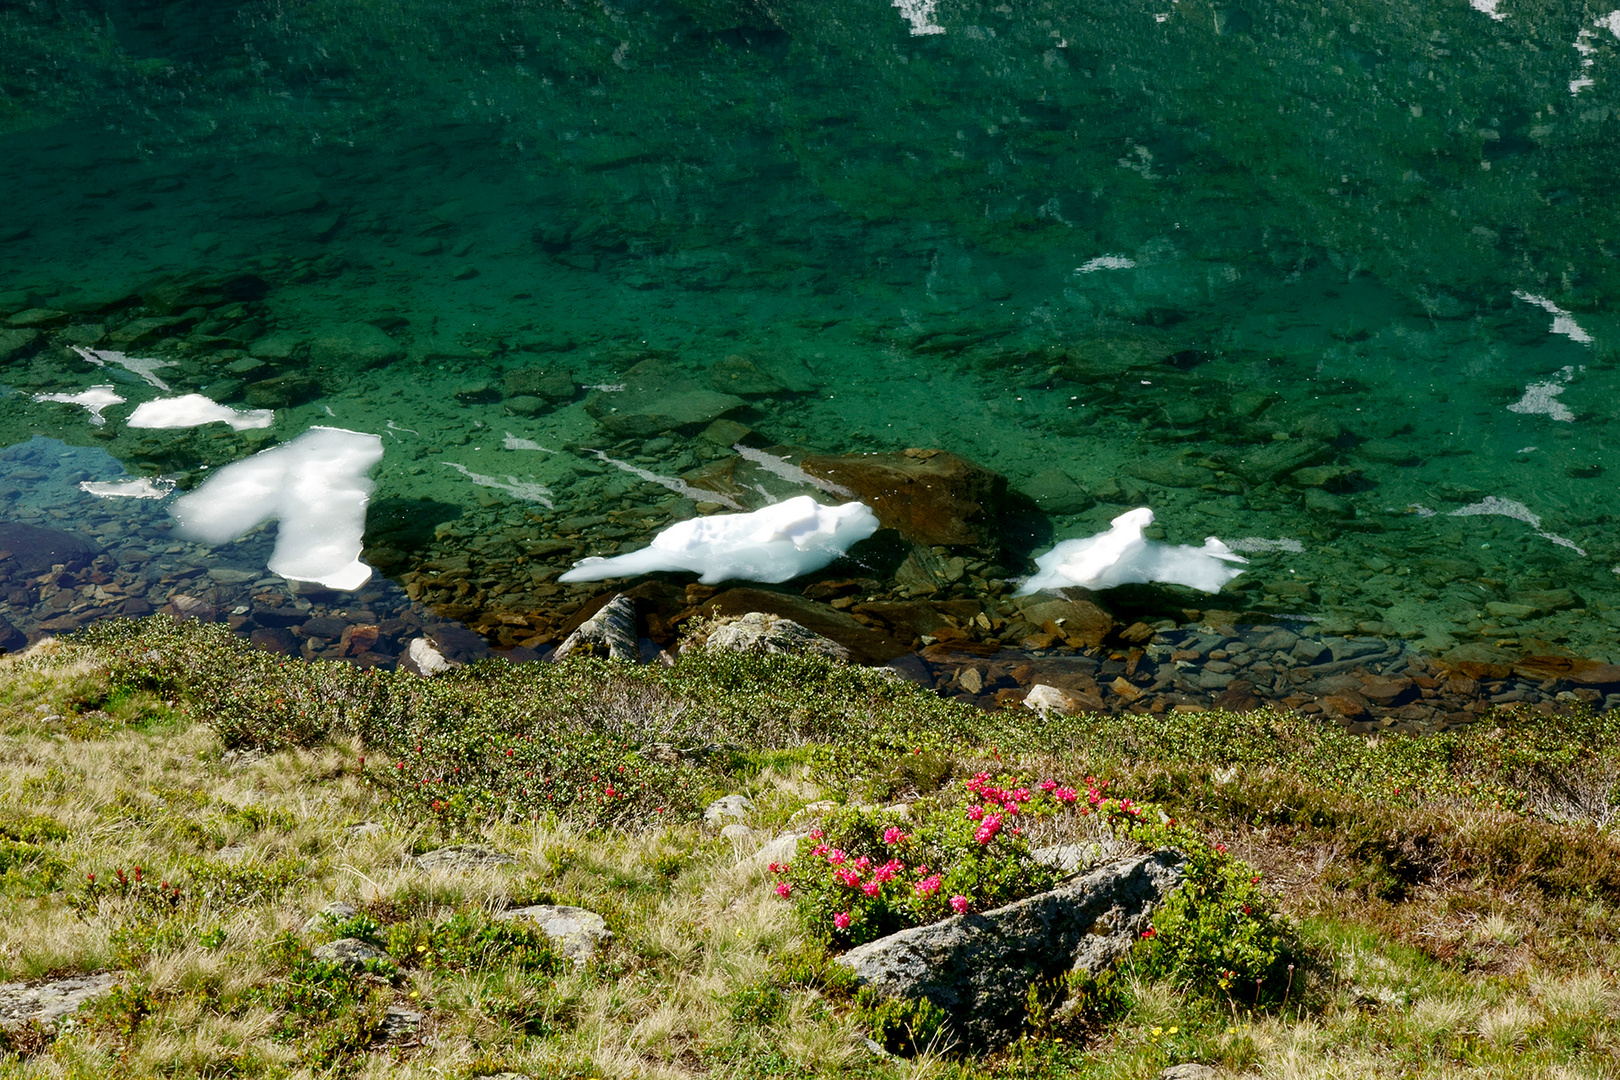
(142, 488)
(194, 410)
(920, 14)
(94, 400)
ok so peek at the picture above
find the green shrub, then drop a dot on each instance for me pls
(902, 1025)
(465, 943)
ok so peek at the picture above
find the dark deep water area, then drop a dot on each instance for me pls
(1335, 283)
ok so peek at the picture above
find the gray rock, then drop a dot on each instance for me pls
(336, 911)
(725, 809)
(1069, 858)
(642, 413)
(461, 857)
(758, 632)
(353, 345)
(1307, 650)
(575, 932)
(366, 828)
(547, 384)
(48, 1002)
(1189, 1070)
(351, 954)
(738, 833)
(1056, 492)
(779, 850)
(1275, 458)
(14, 342)
(399, 1024)
(1170, 473)
(276, 345)
(611, 632)
(978, 968)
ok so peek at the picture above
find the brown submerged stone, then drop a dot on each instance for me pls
(928, 497)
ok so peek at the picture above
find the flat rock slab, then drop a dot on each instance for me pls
(35, 550)
(927, 496)
(575, 932)
(461, 857)
(351, 954)
(979, 967)
(47, 1001)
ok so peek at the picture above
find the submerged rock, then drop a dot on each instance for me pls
(929, 497)
(979, 967)
(355, 345)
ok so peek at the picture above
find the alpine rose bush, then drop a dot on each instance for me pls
(865, 875)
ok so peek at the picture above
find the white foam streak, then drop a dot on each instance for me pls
(1105, 262)
(316, 485)
(145, 368)
(527, 490)
(514, 442)
(678, 486)
(94, 400)
(1563, 322)
(789, 471)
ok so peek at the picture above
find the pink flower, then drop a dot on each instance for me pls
(837, 857)
(959, 904)
(1065, 794)
(816, 834)
(975, 813)
(841, 920)
(782, 889)
(863, 864)
(986, 832)
(818, 851)
(1048, 785)
(872, 888)
(927, 886)
(847, 878)
(893, 835)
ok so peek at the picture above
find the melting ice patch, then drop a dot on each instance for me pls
(1582, 44)
(920, 14)
(1123, 556)
(142, 488)
(317, 485)
(527, 490)
(145, 368)
(94, 400)
(772, 544)
(1563, 322)
(1490, 505)
(1541, 398)
(1106, 262)
(194, 410)
(1488, 7)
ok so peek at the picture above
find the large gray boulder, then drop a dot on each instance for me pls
(759, 632)
(577, 933)
(49, 1003)
(979, 967)
(611, 632)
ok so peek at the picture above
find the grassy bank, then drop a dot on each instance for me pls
(1456, 900)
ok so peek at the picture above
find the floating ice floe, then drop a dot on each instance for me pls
(194, 410)
(772, 544)
(1563, 322)
(527, 490)
(1488, 7)
(920, 14)
(141, 488)
(141, 366)
(316, 484)
(1123, 556)
(1105, 262)
(94, 400)
(1492, 506)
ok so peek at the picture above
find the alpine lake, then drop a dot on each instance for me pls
(1334, 283)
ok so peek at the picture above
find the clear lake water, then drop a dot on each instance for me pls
(1335, 283)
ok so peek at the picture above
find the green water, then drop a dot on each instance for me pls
(1279, 270)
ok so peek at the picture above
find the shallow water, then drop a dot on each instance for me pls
(1341, 281)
